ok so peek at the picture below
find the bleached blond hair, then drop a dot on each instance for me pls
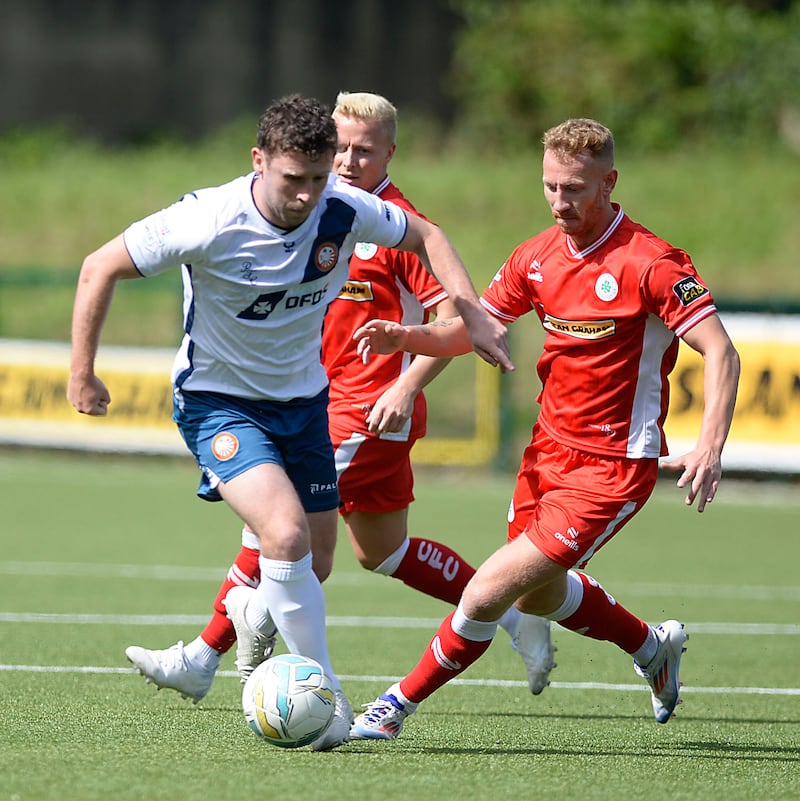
(368, 106)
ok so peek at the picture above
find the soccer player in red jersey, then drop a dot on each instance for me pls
(614, 300)
(376, 412)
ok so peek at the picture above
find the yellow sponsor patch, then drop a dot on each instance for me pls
(357, 290)
(581, 329)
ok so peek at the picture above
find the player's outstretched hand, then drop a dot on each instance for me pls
(379, 336)
(702, 471)
(89, 396)
(489, 339)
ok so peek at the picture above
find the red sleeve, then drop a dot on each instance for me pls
(417, 280)
(508, 296)
(674, 292)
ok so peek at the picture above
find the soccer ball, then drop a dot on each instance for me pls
(288, 700)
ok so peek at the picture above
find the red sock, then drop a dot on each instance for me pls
(599, 616)
(447, 655)
(434, 569)
(219, 632)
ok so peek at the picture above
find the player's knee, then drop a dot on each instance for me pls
(478, 598)
(368, 562)
(322, 565)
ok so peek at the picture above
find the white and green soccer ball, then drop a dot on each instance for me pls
(288, 700)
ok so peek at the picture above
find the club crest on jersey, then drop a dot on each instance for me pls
(225, 446)
(606, 287)
(326, 256)
(688, 290)
(365, 250)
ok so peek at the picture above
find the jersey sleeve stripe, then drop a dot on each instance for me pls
(435, 300)
(496, 312)
(701, 314)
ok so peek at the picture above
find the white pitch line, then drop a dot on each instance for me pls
(557, 685)
(157, 572)
(366, 579)
(337, 621)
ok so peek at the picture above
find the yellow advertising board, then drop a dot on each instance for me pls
(34, 409)
(765, 433)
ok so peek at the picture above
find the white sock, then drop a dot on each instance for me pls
(295, 600)
(249, 540)
(648, 649)
(392, 562)
(469, 629)
(572, 600)
(408, 706)
(201, 655)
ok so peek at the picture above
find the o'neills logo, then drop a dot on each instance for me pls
(225, 446)
(357, 290)
(326, 256)
(581, 329)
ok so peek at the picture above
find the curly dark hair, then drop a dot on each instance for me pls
(297, 123)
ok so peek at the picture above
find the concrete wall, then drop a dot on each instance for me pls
(120, 69)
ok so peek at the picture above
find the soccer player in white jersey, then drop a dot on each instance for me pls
(261, 258)
(376, 413)
(614, 299)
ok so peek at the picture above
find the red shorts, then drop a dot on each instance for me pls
(375, 474)
(570, 503)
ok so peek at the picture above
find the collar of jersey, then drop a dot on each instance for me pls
(581, 254)
(381, 186)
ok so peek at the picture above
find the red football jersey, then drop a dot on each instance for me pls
(612, 314)
(386, 284)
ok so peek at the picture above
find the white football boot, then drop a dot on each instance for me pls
(661, 671)
(171, 669)
(338, 732)
(382, 718)
(252, 646)
(531, 640)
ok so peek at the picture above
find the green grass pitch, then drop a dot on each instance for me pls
(97, 553)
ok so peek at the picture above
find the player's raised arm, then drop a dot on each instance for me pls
(487, 334)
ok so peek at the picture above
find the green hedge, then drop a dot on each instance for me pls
(656, 73)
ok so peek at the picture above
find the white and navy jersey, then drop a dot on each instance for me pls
(255, 295)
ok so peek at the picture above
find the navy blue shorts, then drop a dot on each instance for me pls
(230, 435)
